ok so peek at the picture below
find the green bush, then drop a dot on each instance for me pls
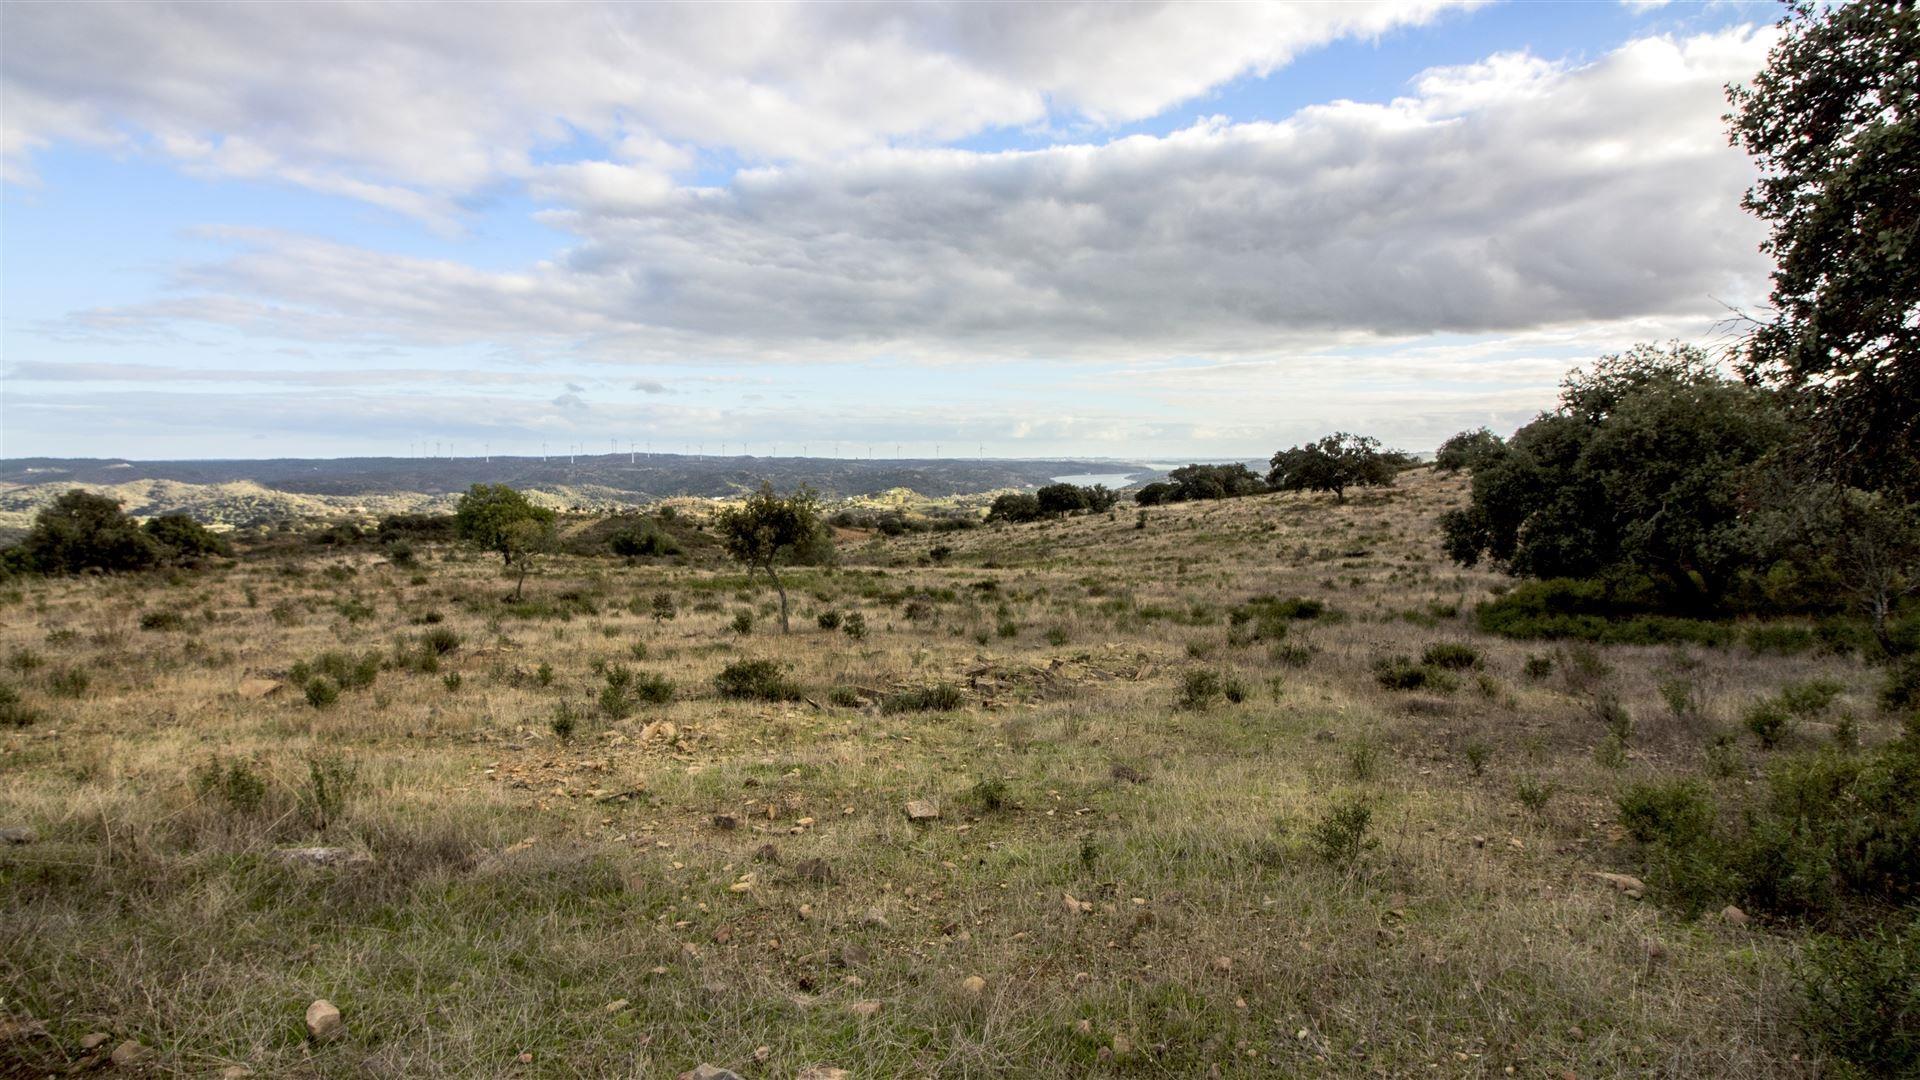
(940, 697)
(1401, 673)
(1862, 997)
(163, 620)
(242, 790)
(1340, 836)
(1901, 691)
(1677, 813)
(755, 680)
(854, 626)
(1202, 689)
(15, 713)
(1769, 721)
(1581, 610)
(828, 620)
(1452, 655)
(322, 691)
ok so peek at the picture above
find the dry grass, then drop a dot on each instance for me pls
(519, 882)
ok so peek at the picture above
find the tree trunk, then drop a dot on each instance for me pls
(782, 590)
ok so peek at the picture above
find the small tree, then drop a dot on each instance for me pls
(520, 542)
(84, 531)
(767, 530)
(1015, 506)
(1335, 463)
(1468, 450)
(185, 538)
(488, 516)
(1058, 499)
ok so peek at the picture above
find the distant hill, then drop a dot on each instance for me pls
(249, 492)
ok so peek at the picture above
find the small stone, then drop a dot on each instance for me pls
(1122, 1046)
(974, 985)
(18, 834)
(1626, 883)
(853, 956)
(875, 918)
(767, 853)
(95, 1041)
(1223, 963)
(762, 1053)
(1479, 841)
(1084, 1027)
(526, 1059)
(1576, 1033)
(1082, 978)
(922, 810)
(725, 822)
(13, 1030)
(704, 1071)
(235, 1072)
(1075, 907)
(129, 1053)
(865, 1008)
(822, 1072)
(323, 1021)
(322, 856)
(258, 688)
(611, 1007)
(659, 729)
(1734, 915)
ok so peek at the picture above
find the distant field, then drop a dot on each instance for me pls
(1167, 842)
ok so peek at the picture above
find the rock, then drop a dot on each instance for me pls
(865, 1008)
(258, 688)
(612, 1007)
(876, 919)
(129, 1054)
(1127, 773)
(1626, 883)
(1734, 915)
(95, 1041)
(659, 729)
(821, 1072)
(704, 1071)
(725, 822)
(1075, 907)
(767, 853)
(323, 1021)
(973, 985)
(18, 834)
(1223, 963)
(853, 956)
(922, 810)
(235, 1072)
(1122, 1046)
(322, 856)
(15, 1030)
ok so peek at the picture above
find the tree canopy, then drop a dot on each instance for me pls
(768, 530)
(499, 519)
(1833, 123)
(1468, 451)
(1642, 470)
(1334, 463)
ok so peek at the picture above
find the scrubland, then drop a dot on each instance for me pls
(1333, 831)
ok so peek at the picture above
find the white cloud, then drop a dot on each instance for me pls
(409, 106)
(1498, 197)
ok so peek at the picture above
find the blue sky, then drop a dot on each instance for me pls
(1141, 231)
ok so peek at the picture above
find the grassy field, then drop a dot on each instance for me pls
(1168, 842)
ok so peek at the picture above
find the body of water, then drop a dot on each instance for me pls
(1112, 480)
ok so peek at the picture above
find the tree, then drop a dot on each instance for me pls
(1468, 450)
(767, 530)
(1833, 123)
(84, 531)
(1016, 507)
(1644, 469)
(1334, 463)
(1154, 494)
(520, 541)
(1192, 482)
(1057, 499)
(488, 515)
(185, 538)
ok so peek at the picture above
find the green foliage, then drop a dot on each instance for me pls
(499, 519)
(642, 541)
(1477, 753)
(990, 795)
(14, 712)
(767, 530)
(1202, 689)
(321, 691)
(1534, 793)
(1862, 996)
(83, 531)
(1401, 673)
(183, 538)
(662, 607)
(1769, 721)
(1015, 507)
(1901, 689)
(755, 680)
(1677, 813)
(1589, 610)
(743, 622)
(1452, 655)
(1469, 450)
(164, 619)
(828, 620)
(1833, 122)
(332, 781)
(939, 697)
(232, 783)
(1340, 836)
(854, 626)
(1334, 463)
(1641, 472)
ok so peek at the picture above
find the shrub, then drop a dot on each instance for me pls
(854, 626)
(1902, 687)
(322, 691)
(1533, 793)
(828, 620)
(69, 682)
(1769, 721)
(991, 795)
(743, 621)
(1477, 754)
(663, 609)
(1401, 673)
(940, 697)
(15, 713)
(1780, 639)
(440, 641)
(1537, 667)
(564, 722)
(1452, 655)
(1582, 610)
(1862, 997)
(164, 620)
(1677, 813)
(755, 680)
(1810, 698)
(232, 783)
(1340, 837)
(642, 542)
(1202, 689)
(331, 783)
(844, 697)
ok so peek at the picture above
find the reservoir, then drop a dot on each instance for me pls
(1112, 480)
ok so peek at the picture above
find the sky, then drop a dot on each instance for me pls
(1143, 231)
